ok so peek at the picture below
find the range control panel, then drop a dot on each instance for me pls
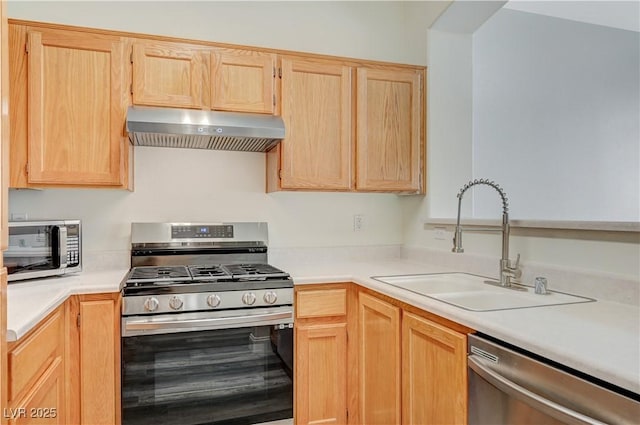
(202, 231)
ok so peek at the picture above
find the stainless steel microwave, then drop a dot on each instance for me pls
(43, 248)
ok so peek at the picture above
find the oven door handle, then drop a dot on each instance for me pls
(136, 326)
(534, 400)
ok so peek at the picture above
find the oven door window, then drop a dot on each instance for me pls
(230, 376)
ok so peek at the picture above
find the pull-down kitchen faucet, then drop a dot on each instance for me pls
(507, 271)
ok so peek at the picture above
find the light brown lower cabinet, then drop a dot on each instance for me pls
(93, 380)
(379, 360)
(322, 362)
(67, 369)
(434, 373)
(379, 386)
(36, 374)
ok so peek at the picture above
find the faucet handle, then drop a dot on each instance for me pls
(515, 269)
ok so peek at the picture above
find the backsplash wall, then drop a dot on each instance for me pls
(200, 185)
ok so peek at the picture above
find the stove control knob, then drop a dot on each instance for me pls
(151, 304)
(249, 298)
(175, 303)
(270, 297)
(213, 300)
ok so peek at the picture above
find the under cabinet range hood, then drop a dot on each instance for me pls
(196, 129)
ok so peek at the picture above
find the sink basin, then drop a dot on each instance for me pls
(470, 292)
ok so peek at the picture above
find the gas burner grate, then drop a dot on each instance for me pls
(163, 273)
(209, 272)
(254, 271)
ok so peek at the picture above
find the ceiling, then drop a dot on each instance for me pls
(617, 14)
(466, 16)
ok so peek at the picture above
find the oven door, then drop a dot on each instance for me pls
(208, 368)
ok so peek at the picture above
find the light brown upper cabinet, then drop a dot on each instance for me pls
(67, 109)
(170, 74)
(389, 119)
(366, 137)
(316, 153)
(243, 80)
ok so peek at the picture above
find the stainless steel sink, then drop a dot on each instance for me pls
(471, 292)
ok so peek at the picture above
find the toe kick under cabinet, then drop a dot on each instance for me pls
(67, 369)
(366, 358)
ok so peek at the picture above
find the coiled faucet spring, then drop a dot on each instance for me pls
(507, 271)
(505, 200)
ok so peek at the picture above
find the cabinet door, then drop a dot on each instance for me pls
(243, 80)
(99, 360)
(389, 147)
(321, 374)
(169, 74)
(44, 404)
(434, 373)
(316, 109)
(75, 109)
(379, 346)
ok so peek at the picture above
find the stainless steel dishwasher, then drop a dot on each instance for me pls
(507, 386)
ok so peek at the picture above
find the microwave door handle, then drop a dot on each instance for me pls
(538, 402)
(62, 246)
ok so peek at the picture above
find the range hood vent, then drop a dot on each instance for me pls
(195, 129)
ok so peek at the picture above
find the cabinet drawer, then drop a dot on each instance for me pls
(321, 302)
(28, 360)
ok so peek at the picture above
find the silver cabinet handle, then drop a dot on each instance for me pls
(534, 400)
(208, 323)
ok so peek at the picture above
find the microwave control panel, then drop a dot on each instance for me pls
(73, 245)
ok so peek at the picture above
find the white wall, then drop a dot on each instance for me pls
(556, 107)
(450, 145)
(202, 186)
(361, 29)
(193, 185)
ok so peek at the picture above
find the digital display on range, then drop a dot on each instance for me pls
(202, 231)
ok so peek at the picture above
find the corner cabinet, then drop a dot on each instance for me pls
(67, 104)
(389, 137)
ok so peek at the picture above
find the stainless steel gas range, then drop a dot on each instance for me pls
(207, 327)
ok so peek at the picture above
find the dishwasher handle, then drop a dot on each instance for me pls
(536, 401)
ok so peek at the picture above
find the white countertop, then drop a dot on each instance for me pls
(600, 338)
(31, 301)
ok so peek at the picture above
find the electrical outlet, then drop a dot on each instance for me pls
(358, 222)
(440, 233)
